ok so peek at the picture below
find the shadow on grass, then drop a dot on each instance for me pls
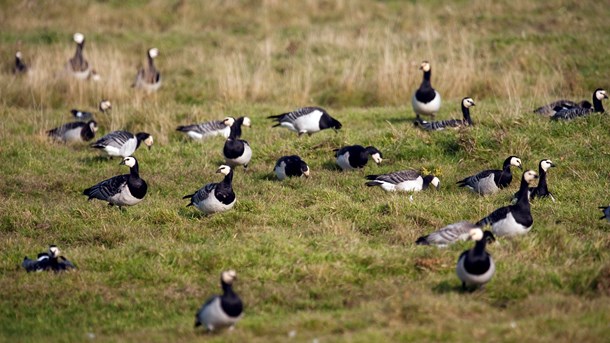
(191, 212)
(331, 165)
(399, 120)
(99, 159)
(445, 287)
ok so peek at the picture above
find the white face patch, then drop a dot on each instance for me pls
(530, 176)
(54, 251)
(246, 122)
(228, 121)
(425, 66)
(468, 102)
(515, 162)
(306, 172)
(105, 105)
(601, 94)
(229, 276)
(546, 164)
(224, 169)
(376, 157)
(93, 127)
(149, 141)
(18, 55)
(154, 52)
(436, 182)
(79, 37)
(129, 161)
(476, 234)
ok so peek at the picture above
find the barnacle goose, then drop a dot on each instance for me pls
(224, 310)
(78, 65)
(20, 66)
(104, 106)
(121, 190)
(550, 109)
(237, 152)
(426, 100)
(575, 112)
(215, 197)
(149, 78)
(450, 234)
(475, 267)
(606, 210)
(442, 124)
(307, 120)
(289, 166)
(514, 219)
(211, 128)
(356, 156)
(403, 181)
(541, 190)
(122, 143)
(492, 180)
(77, 131)
(50, 260)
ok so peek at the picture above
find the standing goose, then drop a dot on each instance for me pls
(490, 181)
(122, 143)
(290, 166)
(224, 310)
(403, 181)
(20, 66)
(541, 190)
(50, 260)
(450, 234)
(475, 267)
(78, 65)
(442, 124)
(237, 152)
(307, 120)
(149, 78)
(356, 156)
(121, 190)
(575, 112)
(77, 131)
(215, 197)
(514, 219)
(211, 128)
(426, 100)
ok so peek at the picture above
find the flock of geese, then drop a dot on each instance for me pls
(475, 267)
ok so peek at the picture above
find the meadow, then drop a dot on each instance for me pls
(324, 258)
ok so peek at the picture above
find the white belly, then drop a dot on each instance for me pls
(427, 108)
(472, 279)
(280, 171)
(213, 317)
(343, 162)
(73, 135)
(411, 185)
(509, 227)
(124, 198)
(212, 205)
(309, 123)
(199, 136)
(81, 75)
(242, 160)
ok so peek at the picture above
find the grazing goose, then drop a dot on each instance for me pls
(224, 310)
(50, 260)
(289, 166)
(442, 124)
(20, 66)
(122, 143)
(541, 190)
(211, 128)
(78, 65)
(450, 234)
(475, 267)
(575, 112)
(514, 219)
(237, 152)
(426, 100)
(403, 181)
(307, 120)
(121, 190)
(550, 109)
(77, 131)
(356, 156)
(606, 210)
(215, 197)
(490, 181)
(149, 78)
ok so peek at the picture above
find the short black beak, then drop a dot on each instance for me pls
(122, 163)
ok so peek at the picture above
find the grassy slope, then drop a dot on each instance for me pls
(324, 256)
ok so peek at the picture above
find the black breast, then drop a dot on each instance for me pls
(233, 148)
(137, 187)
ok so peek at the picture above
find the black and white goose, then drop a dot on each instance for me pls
(490, 181)
(121, 190)
(450, 123)
(77, 131)
(290, 166)
(356, 156)
(104, 106)
(550, 109)
(237, 152)
(307, 120)
(542, 189)
(575, 112)
(606, 211)
(475, 267)
(211, 128)
(221, 311)
(450, 234)
(122, 143)
(403, 181)
(50, 260)
(20, 66)
(78, 65)
(514, 219)
(149, 78)
(426, 100)
(215, 197)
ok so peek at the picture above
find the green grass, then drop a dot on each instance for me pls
(325, 257)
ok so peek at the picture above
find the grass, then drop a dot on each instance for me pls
(325, 257)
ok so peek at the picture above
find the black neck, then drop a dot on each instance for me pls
(236, 129)
(151, 62)
(466, 114)
(79, 48)
(228, 178)
(427, 76)
(542, 178)
(597, 104)
(523, 199)
(427, 180)
(479, 247)
(134, 172)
